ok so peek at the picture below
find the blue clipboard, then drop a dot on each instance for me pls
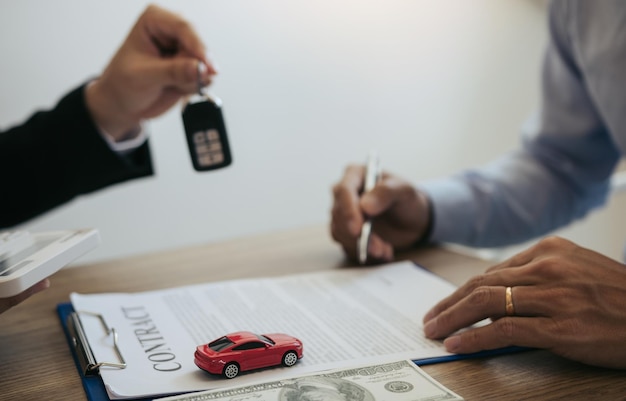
(92, 384)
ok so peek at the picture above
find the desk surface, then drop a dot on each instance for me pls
(36, 363)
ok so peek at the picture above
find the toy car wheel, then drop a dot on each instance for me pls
(231, 370)
(290, 358)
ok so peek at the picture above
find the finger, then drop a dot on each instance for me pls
(170, 30)
(482, 280)
(505, 332)
(531, 284)
(348, 243)
(169, 97)
(8, 303)
(491, 302)
(545, 301)
(354, 178)
(379, 250)
(180, 73)
(206, 75)
(512, 277)
(482, 303)
(384, 195)
(346, 214)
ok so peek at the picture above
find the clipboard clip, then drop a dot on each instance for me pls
(86, 358)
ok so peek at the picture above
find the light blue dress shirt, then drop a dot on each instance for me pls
(569, 149)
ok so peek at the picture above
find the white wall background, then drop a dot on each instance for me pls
(434, 85)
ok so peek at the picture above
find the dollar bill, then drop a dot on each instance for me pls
(401, 380)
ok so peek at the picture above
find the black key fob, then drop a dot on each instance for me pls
(206, 133)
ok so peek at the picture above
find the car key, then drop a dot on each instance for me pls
(205, 131)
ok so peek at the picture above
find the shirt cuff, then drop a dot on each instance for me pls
(451, 208)
(137, 137)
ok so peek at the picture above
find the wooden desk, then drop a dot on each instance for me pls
(36, 363)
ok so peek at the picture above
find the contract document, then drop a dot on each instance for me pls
(344, 317)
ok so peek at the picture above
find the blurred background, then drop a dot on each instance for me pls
(307, 87)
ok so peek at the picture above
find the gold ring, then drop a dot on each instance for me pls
(510, 309)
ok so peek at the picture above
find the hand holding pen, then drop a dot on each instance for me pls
(398, 214)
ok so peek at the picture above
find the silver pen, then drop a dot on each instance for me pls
(372, 173)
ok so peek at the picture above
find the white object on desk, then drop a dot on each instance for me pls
(12, 242)
(29, 257)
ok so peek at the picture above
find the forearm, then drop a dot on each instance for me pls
(56, 155)
(511, 200)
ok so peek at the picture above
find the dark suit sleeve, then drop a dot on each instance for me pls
(57, 155)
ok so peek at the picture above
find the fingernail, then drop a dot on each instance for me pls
(452, 344)
(429, 315)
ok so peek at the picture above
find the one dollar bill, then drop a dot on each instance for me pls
(401, 380)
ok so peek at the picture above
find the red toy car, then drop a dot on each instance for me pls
(243, 350)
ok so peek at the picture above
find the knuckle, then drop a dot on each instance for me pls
(565, 328)
(549, 267)
(337, 189)
(518, 259)
(179, 24)
(150, 9)
(471, 338)
(476, 282)
(505, 327)
(352, 167)
(553, 242)
(444, 319)
(184, 25)
(406, 192)
(480, 296)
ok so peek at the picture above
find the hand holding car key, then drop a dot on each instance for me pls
(205, 131)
